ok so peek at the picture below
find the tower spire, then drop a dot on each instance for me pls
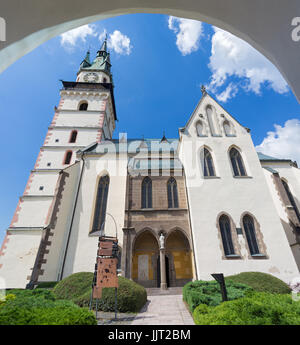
(86, 61)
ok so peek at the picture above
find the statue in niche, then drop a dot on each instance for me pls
(162, 241)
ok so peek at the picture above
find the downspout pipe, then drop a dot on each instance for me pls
(61, 273)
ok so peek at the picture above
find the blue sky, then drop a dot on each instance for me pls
(158, 65)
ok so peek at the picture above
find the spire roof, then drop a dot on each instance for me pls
(101, 62)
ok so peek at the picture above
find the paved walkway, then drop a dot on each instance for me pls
(164, 310)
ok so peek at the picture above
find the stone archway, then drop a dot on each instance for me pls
(276, 23)
(37, 21)
(179, 254)
(144, 259)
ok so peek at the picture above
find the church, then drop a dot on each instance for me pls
(182, 208)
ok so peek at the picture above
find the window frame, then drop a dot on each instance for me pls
(172, 193)
(237, 162)
(99, 212)
(146, 193)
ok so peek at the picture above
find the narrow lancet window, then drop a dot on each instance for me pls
(101, 203)
(172, 193)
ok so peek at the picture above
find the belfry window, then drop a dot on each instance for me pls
(208, 165)
(73, 137)
(83, 106)
(237, 163)
(101, 203)
(172, 193)
(68, 157)
(147, 193)
(225, 229)
(250, 234)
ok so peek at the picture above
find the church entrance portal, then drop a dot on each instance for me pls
(144, 259)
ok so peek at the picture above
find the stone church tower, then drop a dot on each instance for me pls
(85, 114)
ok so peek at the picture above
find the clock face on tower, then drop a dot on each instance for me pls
(91, 77)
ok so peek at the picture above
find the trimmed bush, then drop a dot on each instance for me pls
(7, 298)
(261, 282)
(21, 293)
(77, 288)
(37, 310)
(131, 297)
(259, 308)
(209, 292)
(73, 286)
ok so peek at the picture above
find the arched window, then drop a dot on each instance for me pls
(211, 120)
(208, 165)
(172, 193)
(291, 198)
(147, 193)
(225, 229)
(227, 128)
(83, 105)
(73, 137)
(68, 157)
(101, 203)
(200, 129)
(237, 163)
(250, 234)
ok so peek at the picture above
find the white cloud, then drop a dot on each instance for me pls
(188, 33)
(233, 57)
(70, 38)
(284, 142)
(118, 42)
(228, 93)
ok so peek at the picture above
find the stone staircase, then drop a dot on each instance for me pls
(159, 292)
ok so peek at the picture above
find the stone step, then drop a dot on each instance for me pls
(169, 291)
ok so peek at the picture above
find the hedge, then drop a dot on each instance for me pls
(77, 288)
(37, 310)
(209, 292)
(46, 285)
(21, 293)
(131, 297)
(73, 286)
(259, 308)
(261, 282)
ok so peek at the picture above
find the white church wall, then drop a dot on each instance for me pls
(63, 214)
(72, 100)
(209, 197)
(61, 137)
(79, 118)
(55, 157)
(32, 212)
(42, 183)
(18, 257)
(83, 246)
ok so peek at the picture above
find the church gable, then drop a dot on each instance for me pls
(210, 119)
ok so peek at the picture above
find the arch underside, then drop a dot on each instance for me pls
(146, 259)
(271, 34)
